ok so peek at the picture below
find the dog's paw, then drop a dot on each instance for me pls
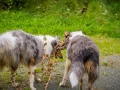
(38, 80)
(32, 88)
(62, 84)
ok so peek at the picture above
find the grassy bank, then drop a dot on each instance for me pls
(107, 46)
(56, 24)
(55, 17)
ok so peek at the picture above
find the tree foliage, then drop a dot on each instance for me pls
(14, 4)
(111, 5)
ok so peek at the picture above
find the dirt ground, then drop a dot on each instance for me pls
(109, 78)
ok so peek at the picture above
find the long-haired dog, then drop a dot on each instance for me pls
(19, 47)
(82, 56)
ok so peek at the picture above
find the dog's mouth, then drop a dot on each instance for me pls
(63, 45)
(57, 53)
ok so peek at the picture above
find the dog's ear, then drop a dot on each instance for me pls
(54, 43)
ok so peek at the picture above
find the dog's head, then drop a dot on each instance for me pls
(56, 51)
(51, 46)
(68, 37)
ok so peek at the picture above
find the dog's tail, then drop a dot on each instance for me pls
(7, 42)
(76, 73)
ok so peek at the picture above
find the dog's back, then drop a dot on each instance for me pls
(18, 46)
(82, 47)
(84, 55)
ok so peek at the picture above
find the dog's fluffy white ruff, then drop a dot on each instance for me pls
(73, 34)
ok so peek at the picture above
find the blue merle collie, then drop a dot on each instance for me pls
(19, 47)
(82, 56)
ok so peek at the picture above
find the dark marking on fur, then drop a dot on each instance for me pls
(32, 47)
(36, 52)
(25, 44)
(14, 65)
(54, 43)
(2, 64)
(21, 56)
(28, 37)
(35, 42)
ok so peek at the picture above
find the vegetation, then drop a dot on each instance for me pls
(101, 21)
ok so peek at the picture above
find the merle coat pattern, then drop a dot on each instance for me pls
(82, 56)
(19, 47)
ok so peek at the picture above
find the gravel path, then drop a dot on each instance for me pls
(109, 78)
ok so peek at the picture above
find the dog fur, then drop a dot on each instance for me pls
(18, 47)
(82, 56)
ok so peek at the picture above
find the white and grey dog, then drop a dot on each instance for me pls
(19, 47)
(82, 56)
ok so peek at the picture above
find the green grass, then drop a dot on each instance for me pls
(55, 17)
(5, 76)
(107, 45)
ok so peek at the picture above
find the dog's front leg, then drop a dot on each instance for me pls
(32, 76)
(37, 77)
(13, 78)
(67, 68)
